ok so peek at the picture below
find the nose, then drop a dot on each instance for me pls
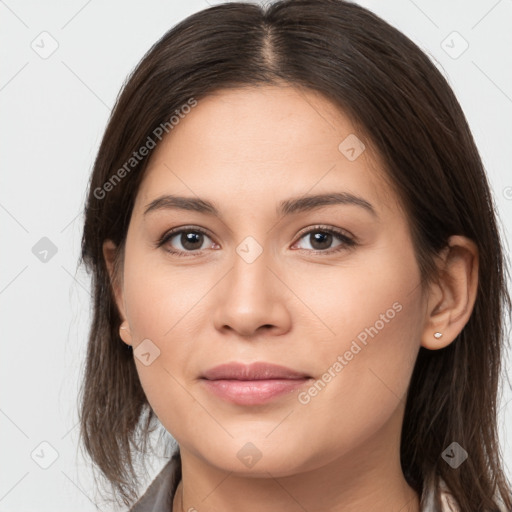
(252, 299)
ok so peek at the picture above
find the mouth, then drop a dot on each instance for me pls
(253, 384)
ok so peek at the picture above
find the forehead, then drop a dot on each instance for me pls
(263, 143)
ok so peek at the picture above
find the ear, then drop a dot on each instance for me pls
(452, 297)
(110, 251)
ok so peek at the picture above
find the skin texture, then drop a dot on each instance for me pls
(246, 150)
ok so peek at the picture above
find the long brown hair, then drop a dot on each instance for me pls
(406, 109)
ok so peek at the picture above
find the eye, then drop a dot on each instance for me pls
(321, 238)
(190, 239)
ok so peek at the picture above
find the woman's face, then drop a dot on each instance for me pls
(266, 278)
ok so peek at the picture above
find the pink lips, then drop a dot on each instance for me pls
(252, 384)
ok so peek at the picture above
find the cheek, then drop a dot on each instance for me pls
(156, 307)
(374, 312)
(363, 378)
(376, 296)
(158, 300)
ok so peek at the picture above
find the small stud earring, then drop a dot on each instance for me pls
(437, 335)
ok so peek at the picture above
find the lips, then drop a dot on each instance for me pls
(254, 384)
(254, 371)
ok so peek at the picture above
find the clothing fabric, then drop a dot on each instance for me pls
(159, 496)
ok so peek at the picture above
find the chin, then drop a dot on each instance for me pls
(256, 458)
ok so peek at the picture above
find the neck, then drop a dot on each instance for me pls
(368, 478)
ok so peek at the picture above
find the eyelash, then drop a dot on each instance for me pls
(347, 242)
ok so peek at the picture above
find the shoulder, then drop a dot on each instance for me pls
(160, 493)
(448, 501)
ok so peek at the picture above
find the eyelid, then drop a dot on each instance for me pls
(328, 229)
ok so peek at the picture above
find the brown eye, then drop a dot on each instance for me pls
(183, 241)
(190, 240)
(321, 239)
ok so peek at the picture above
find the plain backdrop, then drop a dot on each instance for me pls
(62, 65)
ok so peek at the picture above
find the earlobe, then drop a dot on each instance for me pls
(452, 297)
(125, 333)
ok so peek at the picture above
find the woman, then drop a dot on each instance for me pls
(297, 273)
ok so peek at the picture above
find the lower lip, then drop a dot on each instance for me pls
(252, 392)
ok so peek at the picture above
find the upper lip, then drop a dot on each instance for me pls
(254, 371)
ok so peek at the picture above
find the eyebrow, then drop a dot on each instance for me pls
(285, 208)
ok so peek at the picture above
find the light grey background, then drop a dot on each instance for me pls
(54, 109)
